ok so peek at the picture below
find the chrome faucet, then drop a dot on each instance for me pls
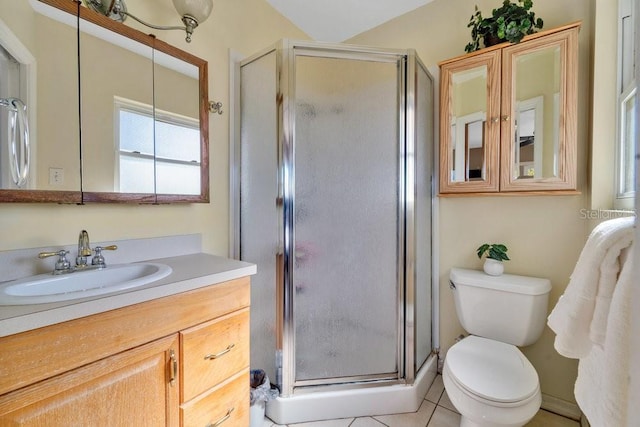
(84, 250)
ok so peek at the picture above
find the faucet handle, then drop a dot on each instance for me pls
(62, 264)
(98, 258)
(60, 253)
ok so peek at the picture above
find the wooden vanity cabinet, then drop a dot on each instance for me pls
(508, 117)
(129, 388)
(142, 365)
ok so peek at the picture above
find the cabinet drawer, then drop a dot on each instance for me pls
(214, 351)
(225, 406)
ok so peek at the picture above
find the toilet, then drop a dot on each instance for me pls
(487, 378)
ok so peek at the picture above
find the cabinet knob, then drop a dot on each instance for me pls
(495, 120)
(505, 118)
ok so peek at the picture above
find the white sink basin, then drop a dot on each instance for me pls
(45, 288)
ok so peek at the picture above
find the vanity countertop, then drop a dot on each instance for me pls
(189, 272)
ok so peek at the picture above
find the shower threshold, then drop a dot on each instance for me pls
(343, 402)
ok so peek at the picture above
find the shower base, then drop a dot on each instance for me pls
(357, 402)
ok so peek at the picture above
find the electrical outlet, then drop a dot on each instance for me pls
(56, 176)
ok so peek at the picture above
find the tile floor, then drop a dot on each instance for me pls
(436, 411)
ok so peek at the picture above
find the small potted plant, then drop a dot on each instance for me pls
(510, 22)
(496, 254)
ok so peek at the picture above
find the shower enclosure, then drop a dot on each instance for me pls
(333, 194)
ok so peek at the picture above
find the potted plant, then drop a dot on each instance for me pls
(511, 23)
(496, 254)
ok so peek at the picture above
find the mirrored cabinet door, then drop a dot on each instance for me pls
(179, 116)
(469, 127)
(539, 110)
(39, 132)
(116, 115)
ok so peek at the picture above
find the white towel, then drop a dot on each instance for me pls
(602, 385)
(580, 317)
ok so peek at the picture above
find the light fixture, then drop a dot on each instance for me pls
(193, 12)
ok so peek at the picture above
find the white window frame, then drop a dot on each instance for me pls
(624, 199)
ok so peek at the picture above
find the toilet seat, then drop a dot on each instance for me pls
(491, 370)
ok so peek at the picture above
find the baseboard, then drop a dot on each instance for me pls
(562, 407)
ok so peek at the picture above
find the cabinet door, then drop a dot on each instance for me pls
(538, 146)
(469, 125)
(133, 388)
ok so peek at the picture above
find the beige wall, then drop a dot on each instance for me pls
(604, 38)
(544, 234)
(243, 25)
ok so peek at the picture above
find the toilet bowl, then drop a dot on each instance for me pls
(491, 384)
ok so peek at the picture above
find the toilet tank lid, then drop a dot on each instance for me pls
(507, 282)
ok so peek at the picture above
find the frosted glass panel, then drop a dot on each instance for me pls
(178, 141)
(346, 217)
(136, 132)
(424, 170)
(177, 178)
(136, 175)
(258, 193)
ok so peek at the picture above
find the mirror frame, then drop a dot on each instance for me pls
(74, 8)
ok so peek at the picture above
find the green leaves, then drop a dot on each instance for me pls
(510, 22)
(496, 251)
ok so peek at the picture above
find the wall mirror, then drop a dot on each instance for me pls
(536, 145)
(142, 108)
(469, 93)
(39, 67)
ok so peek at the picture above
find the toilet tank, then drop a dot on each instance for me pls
(507, 308)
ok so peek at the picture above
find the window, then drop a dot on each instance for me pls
(162, 160)
(626, 110)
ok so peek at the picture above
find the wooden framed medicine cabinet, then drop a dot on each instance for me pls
(509, 117)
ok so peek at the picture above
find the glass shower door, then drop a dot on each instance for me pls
(348, 195)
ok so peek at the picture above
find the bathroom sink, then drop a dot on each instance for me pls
(45, 288)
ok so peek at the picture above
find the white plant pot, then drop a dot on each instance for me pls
(493, 267)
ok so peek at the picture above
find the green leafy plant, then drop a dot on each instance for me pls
(510, 22)
(495, 251)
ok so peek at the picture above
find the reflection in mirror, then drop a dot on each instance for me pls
(177, 108)
(117, 112)
(537, 120)
(529, 143)
(468, 138)
(147, 140)
(468, 107)
(39, 67)
(627, 154)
